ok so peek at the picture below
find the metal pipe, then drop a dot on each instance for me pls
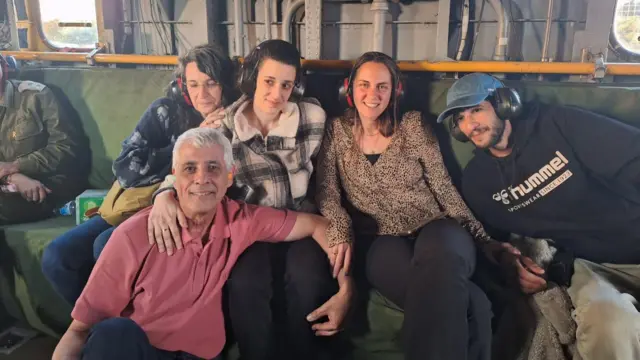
(136, 59)
(267, 19)
(502, 41)
(547, 33)
(480, 66)
(380, 8)
(127, 28)
(521, 67)
(216, 11)
(620, 68)
(477, 32)
(238, 27)
(287, 19)
(464, 30)
(99, 58)
(157, 22)
(411, 22)
(126, 17)
(441, 51)
(313, 29)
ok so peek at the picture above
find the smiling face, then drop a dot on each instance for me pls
(481, 125)
(204, 92)
(202, 178)
(372, 86)
(274, 84)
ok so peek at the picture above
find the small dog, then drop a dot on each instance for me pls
(541, 251)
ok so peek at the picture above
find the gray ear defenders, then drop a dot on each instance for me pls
(506, 103)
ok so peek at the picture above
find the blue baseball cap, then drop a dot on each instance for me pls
(469, 90)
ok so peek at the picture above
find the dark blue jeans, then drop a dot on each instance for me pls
(122, 339)
(68, 260)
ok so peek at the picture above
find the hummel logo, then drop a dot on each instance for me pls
(502, 196)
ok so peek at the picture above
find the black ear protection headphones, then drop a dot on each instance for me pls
(506, 103)
(345, 92)
(247, 81)
(179, 90)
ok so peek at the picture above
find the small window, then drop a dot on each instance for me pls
(69, 23)
(626, 25)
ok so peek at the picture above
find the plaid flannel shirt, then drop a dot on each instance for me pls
(275, 170)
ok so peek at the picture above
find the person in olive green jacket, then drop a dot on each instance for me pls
(44, 158)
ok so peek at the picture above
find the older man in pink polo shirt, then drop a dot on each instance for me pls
(142, 304)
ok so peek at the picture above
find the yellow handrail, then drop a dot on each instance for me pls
(521, 67)
(98, 58)
(46, 56)
(476, 66)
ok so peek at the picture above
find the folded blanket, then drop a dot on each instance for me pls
(539, 326)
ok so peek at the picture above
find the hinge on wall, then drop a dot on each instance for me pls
(91, 56)
(599, 59)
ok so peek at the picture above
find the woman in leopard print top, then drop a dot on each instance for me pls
(414, 234)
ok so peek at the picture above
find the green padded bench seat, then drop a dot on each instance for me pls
(108, 102)
(382, 341)
(38, 302)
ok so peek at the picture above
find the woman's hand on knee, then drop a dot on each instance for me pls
(335, 311)
(162, 226)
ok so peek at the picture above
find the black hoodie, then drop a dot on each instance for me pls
(573, 176)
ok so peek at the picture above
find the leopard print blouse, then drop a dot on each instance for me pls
(407, 187)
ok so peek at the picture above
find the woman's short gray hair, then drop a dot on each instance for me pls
(204, 137)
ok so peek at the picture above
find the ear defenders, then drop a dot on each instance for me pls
(345, 92)
(179, 90)
(506, 103)
(247, 81)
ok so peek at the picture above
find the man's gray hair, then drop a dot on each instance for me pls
(204, 137)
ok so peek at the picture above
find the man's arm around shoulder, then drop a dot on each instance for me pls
(309, 225)
(268, 224)
(287, 225)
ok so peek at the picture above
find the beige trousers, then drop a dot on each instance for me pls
(605, 310)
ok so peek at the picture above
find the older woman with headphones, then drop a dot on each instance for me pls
(276, 135)
(414, 235)
(204, 84)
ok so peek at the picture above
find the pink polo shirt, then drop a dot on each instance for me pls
(176, 299)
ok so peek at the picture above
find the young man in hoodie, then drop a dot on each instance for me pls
(565, 174)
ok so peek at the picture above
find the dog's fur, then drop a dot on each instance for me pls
(541, 251)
